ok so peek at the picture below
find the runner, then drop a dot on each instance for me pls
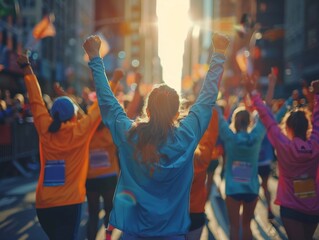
(267, 153)
(64, 155)
(156, 156)
(198, 198)
(241, 169)
(298, 158)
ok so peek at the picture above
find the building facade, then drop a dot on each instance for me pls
(57, 58)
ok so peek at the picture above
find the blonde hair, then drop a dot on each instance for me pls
(20, 98)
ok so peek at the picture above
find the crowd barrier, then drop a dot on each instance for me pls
(18, 140)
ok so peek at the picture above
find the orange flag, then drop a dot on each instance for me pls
(44, 28)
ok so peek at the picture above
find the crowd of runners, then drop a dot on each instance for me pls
(153, 162)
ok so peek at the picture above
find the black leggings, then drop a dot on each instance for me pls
(96, 188)
(197, 220)
(60, 223)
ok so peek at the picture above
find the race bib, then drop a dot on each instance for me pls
(304, 188)
(99, 159)
(54, 173)
(241, 171)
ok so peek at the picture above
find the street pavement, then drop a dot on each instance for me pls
(18, 219)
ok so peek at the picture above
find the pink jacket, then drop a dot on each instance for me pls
(298, 185)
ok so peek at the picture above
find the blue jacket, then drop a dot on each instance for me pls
(242, 152)
(156, 204)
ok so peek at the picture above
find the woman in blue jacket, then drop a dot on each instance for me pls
(242, 148)
(152, 194)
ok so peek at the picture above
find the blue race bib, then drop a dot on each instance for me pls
(54, 173)
(241, 171)
(99, 158)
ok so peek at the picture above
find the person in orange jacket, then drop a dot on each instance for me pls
(64, 155)
(103, 164)
(198, 196)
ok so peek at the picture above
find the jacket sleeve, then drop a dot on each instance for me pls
(259, 130)
(315, 120)
(89, 123)
(200, 113)
(223, 127)
(113, 115)
(41, 116)
(274, 133)
(207, 144)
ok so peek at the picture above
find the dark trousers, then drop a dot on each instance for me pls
(60, 223)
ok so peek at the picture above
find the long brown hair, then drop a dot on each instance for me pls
(162, 106)
(298, 122)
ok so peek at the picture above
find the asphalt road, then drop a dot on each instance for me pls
(18, 219)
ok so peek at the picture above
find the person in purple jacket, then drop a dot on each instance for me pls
(298, 158)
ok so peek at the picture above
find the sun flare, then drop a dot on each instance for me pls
(173, 25)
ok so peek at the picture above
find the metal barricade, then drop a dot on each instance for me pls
(19, 140)
(5, 142)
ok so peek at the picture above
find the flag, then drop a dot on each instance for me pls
(44, 28)
(104, 49)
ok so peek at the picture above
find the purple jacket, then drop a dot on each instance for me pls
(298, 185)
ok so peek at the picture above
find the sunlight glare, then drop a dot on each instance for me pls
(173, 25)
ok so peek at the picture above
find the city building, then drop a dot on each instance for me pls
(56, 56)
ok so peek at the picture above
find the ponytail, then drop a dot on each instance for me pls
(163, 105)
(298, 122)
(56, 124)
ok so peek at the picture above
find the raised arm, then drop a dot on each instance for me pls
(207, 144)
(315, 113)
(273, 131)
(200, 113)
(111, 110)
(225, 133)
(117, 76)
(133, 106)
(272, 79)
(41, 116)
(309, 94)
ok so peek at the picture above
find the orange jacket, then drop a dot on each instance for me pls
(202, 159)
(70, 143)
(102, 141)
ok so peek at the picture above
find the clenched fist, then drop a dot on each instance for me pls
(92, 46)
(220, 42)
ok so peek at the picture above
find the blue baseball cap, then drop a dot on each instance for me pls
(65, 107)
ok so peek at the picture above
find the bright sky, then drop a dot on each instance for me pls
(173, 25)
